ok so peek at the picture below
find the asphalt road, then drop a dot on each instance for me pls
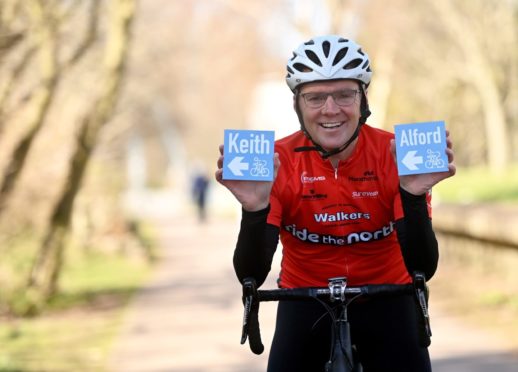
(188, 317)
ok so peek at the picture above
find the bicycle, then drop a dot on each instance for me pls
(259, 168)
(434, 160)
(342, 357)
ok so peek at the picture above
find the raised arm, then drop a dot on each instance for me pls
(256, 245)
(415, 233)
(257, 240)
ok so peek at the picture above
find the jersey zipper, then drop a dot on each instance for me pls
(336, 169)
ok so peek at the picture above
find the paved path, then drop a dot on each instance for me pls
(187, 319)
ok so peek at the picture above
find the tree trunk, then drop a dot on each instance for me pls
(47, 268)
(47, 19)
(482, 77)
(42, 99)
(11, 81)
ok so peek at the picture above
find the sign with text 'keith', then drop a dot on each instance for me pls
(420, 148)
(248, 155)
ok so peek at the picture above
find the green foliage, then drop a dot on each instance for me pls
(472, 185)
(75, 330)
(498, 298)
(49, 344)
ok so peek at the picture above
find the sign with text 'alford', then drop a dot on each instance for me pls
(248, 155)
(420, 148)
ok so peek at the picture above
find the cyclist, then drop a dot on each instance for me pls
(340, 209)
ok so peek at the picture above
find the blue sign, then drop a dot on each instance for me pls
(420, 148)
(248, 155)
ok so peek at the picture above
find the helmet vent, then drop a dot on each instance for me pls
(361, 51)
(302, 67)
(326, 45)
(309, 42)
(342, 40)
(353, 64)
(289, 70)
(340, 55)
(365, 64)
(313, 57)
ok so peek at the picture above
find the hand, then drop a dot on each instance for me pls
(419, 184)
(253, 195)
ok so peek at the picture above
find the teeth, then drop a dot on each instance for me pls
(331, 125)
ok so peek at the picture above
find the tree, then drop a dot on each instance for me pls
(46, 38)
(481, 74)
(47, 267)
(47, 19)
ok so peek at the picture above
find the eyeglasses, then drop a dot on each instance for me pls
(344, 97)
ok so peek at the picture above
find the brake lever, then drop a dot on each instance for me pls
(421, 291)
(246, 318)
(249, 287)
(250, 328)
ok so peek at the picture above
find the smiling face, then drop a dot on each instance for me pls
(331, 125)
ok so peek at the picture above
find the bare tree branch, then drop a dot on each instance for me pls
(47, 35)
(482, 78)
(88, 40)
(8, 41)
(90, 35)
(10, 36)
(47, 268)
(42, 97)
(8, 87)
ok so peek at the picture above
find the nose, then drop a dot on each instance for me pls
(330, 106)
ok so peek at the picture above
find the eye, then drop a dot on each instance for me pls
(347, 94)
(315, 97)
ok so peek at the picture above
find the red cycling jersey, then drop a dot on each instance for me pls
(338, 222)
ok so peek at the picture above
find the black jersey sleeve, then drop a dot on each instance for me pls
(256, 245)
(416, 236)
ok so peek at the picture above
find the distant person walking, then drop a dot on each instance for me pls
(199, 194)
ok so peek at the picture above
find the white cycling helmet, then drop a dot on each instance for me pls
(328, 57)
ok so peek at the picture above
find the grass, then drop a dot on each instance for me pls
(77, 328)
(479, 298)
(479, 185)
(477, 282)
(57, 343)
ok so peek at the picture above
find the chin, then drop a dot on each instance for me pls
(331, 145)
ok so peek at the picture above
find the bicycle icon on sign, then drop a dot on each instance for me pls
(259, 168)
(433, 160)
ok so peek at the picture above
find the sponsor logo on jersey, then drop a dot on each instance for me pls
(340, 216)
(304, 178)
(365, 194)
(305, 235)
(367, 176)
(313, 196)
